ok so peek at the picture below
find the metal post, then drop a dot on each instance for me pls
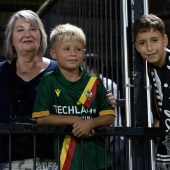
(149, 112)
(127, 81)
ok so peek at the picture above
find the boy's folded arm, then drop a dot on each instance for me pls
(54, 119)
(85, 128)
(103, 121)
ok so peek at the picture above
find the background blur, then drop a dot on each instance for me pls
(7, 7)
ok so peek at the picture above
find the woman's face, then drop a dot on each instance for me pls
(25, 38)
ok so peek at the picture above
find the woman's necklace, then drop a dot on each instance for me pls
(26, 71)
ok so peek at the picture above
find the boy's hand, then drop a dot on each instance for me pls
(83, 129)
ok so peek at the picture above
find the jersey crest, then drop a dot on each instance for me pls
(89, 92)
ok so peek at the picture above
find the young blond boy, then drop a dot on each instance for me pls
(71, 96)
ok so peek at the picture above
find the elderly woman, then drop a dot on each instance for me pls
(25, 45)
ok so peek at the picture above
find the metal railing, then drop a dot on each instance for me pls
(133, 133)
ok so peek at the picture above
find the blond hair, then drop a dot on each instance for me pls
(67, 32)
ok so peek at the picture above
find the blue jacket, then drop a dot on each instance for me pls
(4, 91)
(4, 106)
(22, 147)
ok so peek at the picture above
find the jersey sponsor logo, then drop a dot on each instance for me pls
(57, 92)
(71, 110)
(84, 113)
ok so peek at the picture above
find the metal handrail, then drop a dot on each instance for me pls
(27, 128)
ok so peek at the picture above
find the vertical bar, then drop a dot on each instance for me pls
(101, 33)
(117, 94)
(111, 43)
(148, 87)
(106, 38)
(89, 26)
(99, 64)
(10, 166)
(127, 80)
(82, 154)
(149, 112)
(34, 161)
(58, 150)
(105, 152)
(116, 45)
(94, 29)
(125, 53)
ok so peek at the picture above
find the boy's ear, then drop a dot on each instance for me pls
(136, 46)
(165, 40)
(52, 53)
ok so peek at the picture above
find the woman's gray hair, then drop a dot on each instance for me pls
(34, 20)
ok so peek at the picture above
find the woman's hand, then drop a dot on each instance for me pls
(155, 123)
(110, 99)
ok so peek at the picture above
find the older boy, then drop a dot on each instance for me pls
(71, 96)
(151, 42)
